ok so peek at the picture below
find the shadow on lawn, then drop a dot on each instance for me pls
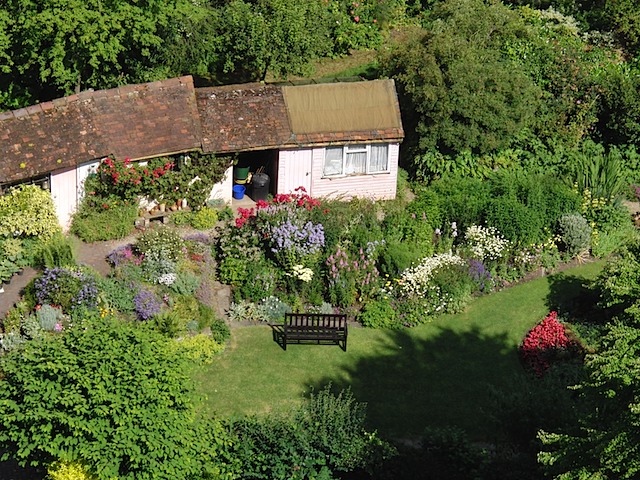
(574, 296)
(445, 380)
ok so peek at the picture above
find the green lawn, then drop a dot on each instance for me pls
(433, 375)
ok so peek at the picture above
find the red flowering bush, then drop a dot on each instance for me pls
(127, 180)
(545, 344)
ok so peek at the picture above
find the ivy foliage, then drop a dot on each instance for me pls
(111, 396)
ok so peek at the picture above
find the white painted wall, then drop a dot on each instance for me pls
(82, 172)
(64, 194)
(223, 190)
(380, 186)
(295, 170)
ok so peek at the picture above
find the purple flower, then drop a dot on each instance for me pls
(120, 255)
(146, 304)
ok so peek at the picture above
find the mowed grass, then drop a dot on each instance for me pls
(439, 374)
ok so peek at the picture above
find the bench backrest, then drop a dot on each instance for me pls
(334, 321)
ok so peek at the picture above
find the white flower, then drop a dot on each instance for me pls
(302, 273)
(414, 281)
(167, 279)
(486, 243)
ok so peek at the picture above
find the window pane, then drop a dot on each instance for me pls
(379, 161)
(356, 163)
(333, 161)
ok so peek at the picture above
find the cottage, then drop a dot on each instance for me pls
(334, 139)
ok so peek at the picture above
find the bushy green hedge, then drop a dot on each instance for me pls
(114, 222)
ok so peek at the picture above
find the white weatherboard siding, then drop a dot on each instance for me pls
(295, 170)
(64, 195)
(379, 186)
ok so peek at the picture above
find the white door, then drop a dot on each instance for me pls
(295, 170)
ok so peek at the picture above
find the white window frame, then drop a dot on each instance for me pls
(355, 148)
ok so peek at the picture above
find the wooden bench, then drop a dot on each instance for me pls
(316, 328)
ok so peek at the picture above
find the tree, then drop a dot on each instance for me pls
(110, 395)
(606, 443)
(277, 36)
(61, 47)
(467, 95)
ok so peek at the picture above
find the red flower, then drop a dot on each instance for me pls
(542, 342)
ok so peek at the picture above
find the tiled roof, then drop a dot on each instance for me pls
(242, 117)
(170, 116)
(133, 121)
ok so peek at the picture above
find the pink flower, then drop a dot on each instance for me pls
(356, 18)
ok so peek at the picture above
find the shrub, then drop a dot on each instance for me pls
(161, 243)
(233, 271)
(49, 318)
(28, 211)
(126, 387)
(415, 281)
(352, 277)
(201, 348)
(118, 294)
(575, 233)
(451, 454)
(123, 255)
(462, 200)
(169, 323)
(146, 304)
(545, 344)
(219, 330)
(324, 436)
(379, 314)
(181, 218)
(261, 280)
(55, 252)
(517, 222)
(62, 470)
(185, 283)
(100, 224)
(246, 312)
(296, 244)
(204, 219)
(396, 256)
(275, 309)
(485, 243)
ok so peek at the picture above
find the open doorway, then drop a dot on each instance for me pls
(256, 171)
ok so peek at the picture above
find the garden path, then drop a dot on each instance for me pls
(94, 255)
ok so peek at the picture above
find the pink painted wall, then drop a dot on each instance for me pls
(293, 168)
